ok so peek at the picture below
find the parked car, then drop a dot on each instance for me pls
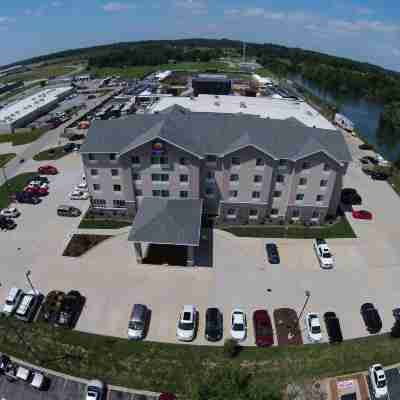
(379, 176)
(137, 322)
(323, 253)
(38, 191)
(69, 147)
(78, 195)
(5, 361)
(7, 224)
(68, 211)
(10, 212)
(351, 197)
(214, 324)
(28, 306)
(82, 186)
(51, 307)
(12, 301)
(333, 327)
(238, 325)
(71, 308)
(263, 328)
(369, 160)
(378, 381)
(187, 324)
(25, 197)
(24, 374)
(95, 390)
(38, 380)
(371, 318)
(272, 253)
(39, 183)
(47, 170)
(313, 327)
(361, 214)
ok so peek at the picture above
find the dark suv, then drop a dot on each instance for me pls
(70, 310)
(371, 318)
(272, 253)
(350, 197)
(7, 223)
(23, 197)
(214, 324)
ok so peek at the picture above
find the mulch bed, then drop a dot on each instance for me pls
(80, 244)
(287, 326)
(160, 254)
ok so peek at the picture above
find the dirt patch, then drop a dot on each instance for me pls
(80, 244)
(287, 326)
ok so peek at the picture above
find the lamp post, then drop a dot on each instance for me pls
(308, 295)
(28, 277)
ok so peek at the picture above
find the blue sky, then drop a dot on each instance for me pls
(364, 30)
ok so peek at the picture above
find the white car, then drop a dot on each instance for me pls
(187, 324)
(79, 195)
(10, 212)
(313, 327)
(378, 381)
(38, 380)
(324, 255)
(95, 390)
(238, 325)
(82, 186)
(12, 301)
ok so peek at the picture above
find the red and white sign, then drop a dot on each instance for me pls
(348, 384)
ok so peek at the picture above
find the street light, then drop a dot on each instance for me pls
(28, 274)
(308, 295)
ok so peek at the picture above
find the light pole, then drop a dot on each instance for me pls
(308, 295)
(28, 275)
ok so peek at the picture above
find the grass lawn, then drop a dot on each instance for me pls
(25, 137)
(88, 223)
(13, 185)
(5, 158)
(51, 154)
(177, 367)
(341, 229)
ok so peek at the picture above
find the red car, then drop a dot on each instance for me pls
(361, 214)
(47, 170)
(40, 191)
(167, 396)
(263, 328)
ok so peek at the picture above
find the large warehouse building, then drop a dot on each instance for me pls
(23, 112)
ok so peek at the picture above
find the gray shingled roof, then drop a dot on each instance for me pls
(167, 221)
(212, 133)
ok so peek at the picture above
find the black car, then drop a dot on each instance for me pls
(50, 309)
(69, 147)
(214, 324)
(5, 361)
(351, 197)
(371, 318)
(70, 310)
(23, 197)
(272, 253)
(379, 176)
(7, 223)
(333, 327)
(40, 178)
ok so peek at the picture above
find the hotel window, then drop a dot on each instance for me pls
(280, 178)
(323, 183)
(98, 203)
(327, 167)
(136, 177)
(116, 188)
(184, 178)
(253, 213)
(257, 178)
(119, 203)
(235, 161)
(274, 211)
(319, 198)
(138, 192)
(96, 187)
(183, 161)
(114, 172)
(306, 165)
(159, 160)
(211, 160)
(295, 213)
(255, 195)
(184, 194)
(94, 172)
(315, 215)
(277, 193)
(233, 194)
(303, 181)
(210, 175)
(164, 193)
(260, 162)
(135, 160)
(231, 213)
(282, 163)
(160, 177)
(300, 197)
(113, 157)
(234, 178)
(91, 156)
(156, 193)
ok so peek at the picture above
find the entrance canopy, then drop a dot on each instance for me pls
(168, 221)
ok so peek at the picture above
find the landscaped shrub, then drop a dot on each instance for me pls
(231, 348)
(395, 332)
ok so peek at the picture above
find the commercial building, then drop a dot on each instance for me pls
(13, 70)
(23, 112)
(245, 169)
(211, 84)
(264, 107)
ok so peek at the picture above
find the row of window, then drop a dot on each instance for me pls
(102, 203)
(161, 177)
(300, 197)
(253, 213)
(97, 187)
(183, 194)
(95, 172)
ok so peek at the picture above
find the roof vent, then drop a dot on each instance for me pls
(216, 96)
(243, 104)
(217, 103)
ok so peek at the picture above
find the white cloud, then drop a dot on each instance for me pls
(194, 6)
(115, 6)
(6, 20)
(363, 26)
(259, 12)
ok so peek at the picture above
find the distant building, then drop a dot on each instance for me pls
(23, 112)
(13, 70)
(7, 87)
(211, 84)
(261, 82)
(249, 66)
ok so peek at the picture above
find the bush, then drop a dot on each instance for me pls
(231, 348)
(395, 331)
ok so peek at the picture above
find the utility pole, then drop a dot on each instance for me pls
(308, 295)
(28, 275)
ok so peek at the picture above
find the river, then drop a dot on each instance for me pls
(364, 114)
